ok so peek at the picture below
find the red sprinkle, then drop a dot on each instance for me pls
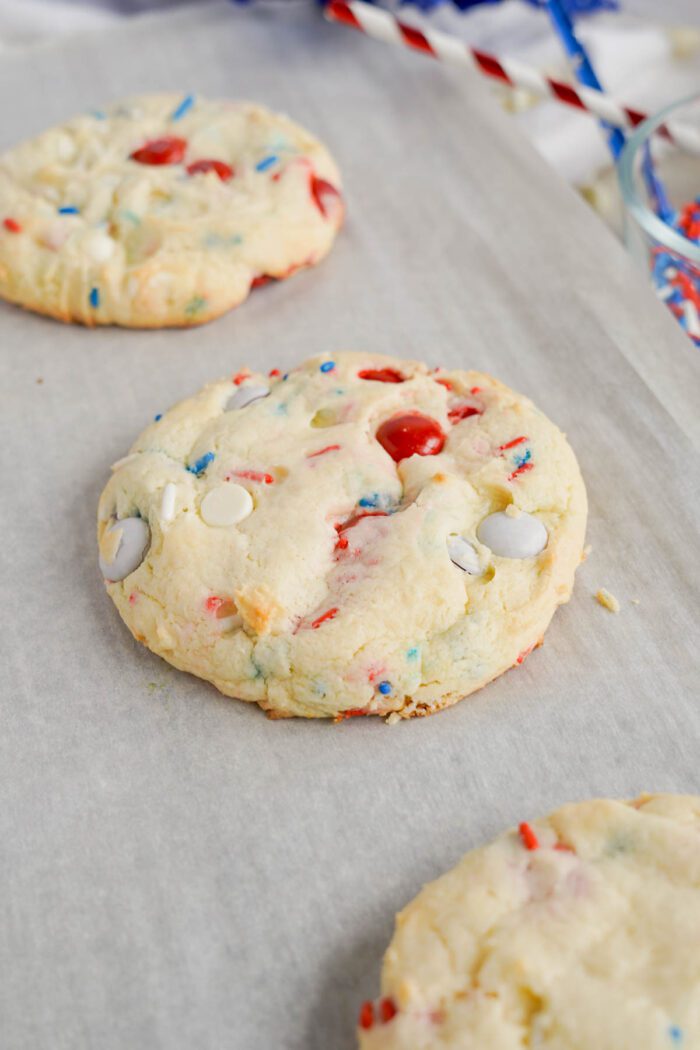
(446, 383)
(202, 167)
(511, 444)
(410, 434)
(456, 415)
(525, 653)
(366, 1018)
(169, 150)
(274, 372)
(352, 712)
(323, 194)
(520, 470)
(528, 836)
(251, 475)
(342, 541)
(258, 282)
(12, 225)
(475, 390)
(387, 1010)
(213, 604)
(382, 375)
(330, 614)
(322, 451)
(240, 377)
(133, 598)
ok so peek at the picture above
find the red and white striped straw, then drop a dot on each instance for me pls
(382, 25)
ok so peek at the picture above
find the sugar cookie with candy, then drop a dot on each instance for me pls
(162, 210)
(358, 536)
(577, 932)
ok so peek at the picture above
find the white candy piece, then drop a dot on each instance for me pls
(463, 554)
(523, 536)
(167, 503)
(245, 395)
(133, 543)
(99, 246)
(226, 505)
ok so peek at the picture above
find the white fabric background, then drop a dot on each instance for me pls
(177, 871)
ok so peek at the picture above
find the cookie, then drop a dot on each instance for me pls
(360, 536)
(579, 932)
(162, 210)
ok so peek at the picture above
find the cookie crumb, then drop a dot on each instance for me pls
(40, 379)
(608, 600)
(393, 718)
(635, 601)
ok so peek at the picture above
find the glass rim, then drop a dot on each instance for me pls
(649, 221)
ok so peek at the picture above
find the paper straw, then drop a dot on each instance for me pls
(384, 26)
(581, 64)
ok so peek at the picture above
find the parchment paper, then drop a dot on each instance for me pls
(177, 871)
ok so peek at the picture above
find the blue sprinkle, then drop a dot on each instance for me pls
(184, 107)
(676, 1033)
(69, 209)
(520, 461)
(384, 688)
(412, 653)
(328, 366)
(266, 162)
(157, 419)
(285, 376)
(98, 114)
(201, 464)
(94, 298)
(369, 501)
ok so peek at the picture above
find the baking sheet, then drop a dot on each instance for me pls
(177, 871)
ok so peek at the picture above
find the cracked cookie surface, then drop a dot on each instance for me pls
(162, 210)
(578, 932)
(360, 536)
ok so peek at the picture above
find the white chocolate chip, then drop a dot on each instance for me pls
(99, 246)
(508, 537)
(245, 395)
(227, 504)
(464, 555)
(167, 503)
(122, 548)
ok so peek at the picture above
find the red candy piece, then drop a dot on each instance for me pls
(274, 372)
(366, 1018)
(12, 225)
(169, 150)
(324, 195)
(410, 434)
(528, 837)
(201, 167)
(382, 375)
(387, 1010)
(456, 415)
